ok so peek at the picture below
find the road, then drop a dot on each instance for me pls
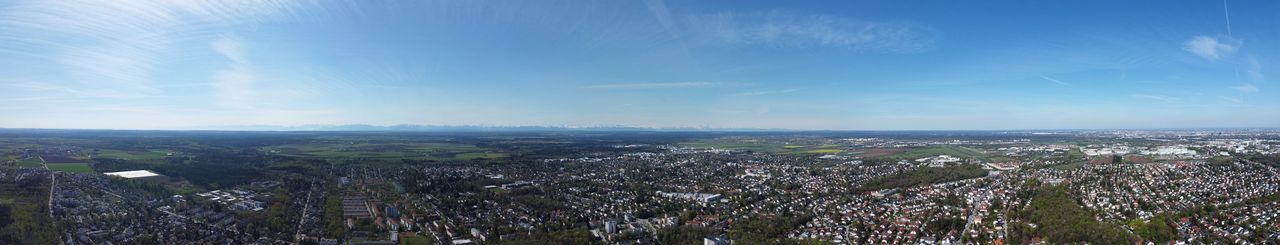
(297, 237)
(53, 182)
(971, 220)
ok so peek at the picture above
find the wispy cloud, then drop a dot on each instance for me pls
(1254, 69)
(677, 85)
(1050, 79)
(758, 93)
(50, 91)
(779, 29)
(1232, 99)
(1163, 98)
(1247, 88)
(119, 44)
(660, 12)
(234, 85)
(1211, 48)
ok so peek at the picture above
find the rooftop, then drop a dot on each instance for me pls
(133, 174)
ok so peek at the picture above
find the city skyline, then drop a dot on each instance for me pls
(858, 66)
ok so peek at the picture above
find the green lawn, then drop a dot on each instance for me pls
(71, 167)
(415, 240)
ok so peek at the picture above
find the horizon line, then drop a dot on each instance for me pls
(615, 128)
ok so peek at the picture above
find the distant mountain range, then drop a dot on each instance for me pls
(474, 128)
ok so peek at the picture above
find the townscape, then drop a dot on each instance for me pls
(623, 187)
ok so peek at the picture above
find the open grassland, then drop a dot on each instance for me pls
(764, 146)
(955, 151)
(71, 167)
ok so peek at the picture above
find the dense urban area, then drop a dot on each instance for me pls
(640, 187)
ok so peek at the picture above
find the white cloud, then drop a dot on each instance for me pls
(695, 84)
(1055, 81)
(779, 29)
(1247, 88)
(1211, 48)
(758, 93)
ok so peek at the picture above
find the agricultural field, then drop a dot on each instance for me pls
(484, 155)
(33, 162)
(152, 155)
(878, 152)
(60, 159)
(71, 167)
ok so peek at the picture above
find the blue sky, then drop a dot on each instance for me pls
(858, 65)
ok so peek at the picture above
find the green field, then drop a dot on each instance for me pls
(31, 163)
(761, 146)
(955, 151)
(819, 151)
(131, 155)
(483, 155)
(1074, 159)
(71, 167)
